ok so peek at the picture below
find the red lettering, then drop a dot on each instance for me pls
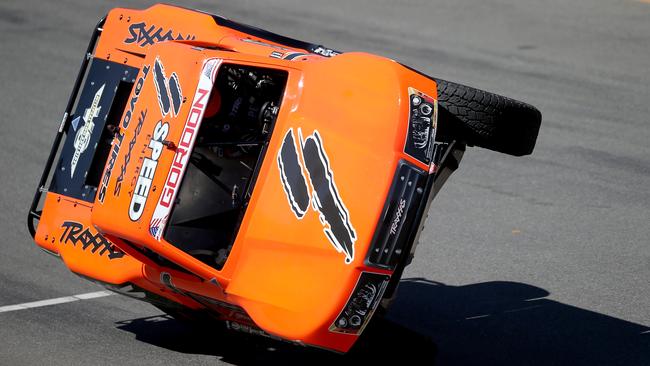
(186, 139)
(173, 178)
(166, 197)
(178, 159)
(194, 116)
(197, 101)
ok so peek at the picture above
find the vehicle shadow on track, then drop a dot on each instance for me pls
(491, 323)
(379, 344)
(509, 323)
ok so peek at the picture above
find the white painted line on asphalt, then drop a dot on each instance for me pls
(56, 301)
(522, 309)
(93, 295)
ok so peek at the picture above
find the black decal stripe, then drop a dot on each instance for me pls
(335, 216)
(294, 55)
(175, 92)
(161, 87)
(136, 54)
(293, 180)
(333, 188)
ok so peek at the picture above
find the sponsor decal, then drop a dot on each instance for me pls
(75, 233)
(423, 116)
(115, 149)
(127, 156)
(184, 148)
(145, 35)
(327, 52)
(117, 141)
(82, 138)
(148, 171)
(156, 227)
(169, 91)
(324, 195)
(288, 53)
(286, 56)
(398, 216)
(397, 220)
(362, 304)
(293, 55)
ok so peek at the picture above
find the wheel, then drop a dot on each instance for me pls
(488, 120)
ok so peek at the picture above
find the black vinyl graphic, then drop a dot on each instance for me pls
(325, 196)
(293, 181)
(168, 90)
(161, 87)
(175, 92)
(75, 233)
(334, 215)
(145, 35)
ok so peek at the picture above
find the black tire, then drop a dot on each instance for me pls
(488, 120)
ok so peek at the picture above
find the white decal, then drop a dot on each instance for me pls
(148, 171)
(82, 139)
(184, 149)
(326, 51)
(398, 216)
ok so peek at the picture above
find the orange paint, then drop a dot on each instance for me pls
(283, 272)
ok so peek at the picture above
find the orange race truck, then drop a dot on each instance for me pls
(207, 166)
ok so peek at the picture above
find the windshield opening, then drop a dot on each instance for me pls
(225, 160)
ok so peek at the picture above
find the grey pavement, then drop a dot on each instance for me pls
(539, 260)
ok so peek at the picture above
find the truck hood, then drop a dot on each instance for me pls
(151, 147)
(320, 192)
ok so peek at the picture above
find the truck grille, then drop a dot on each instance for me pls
(397, 219)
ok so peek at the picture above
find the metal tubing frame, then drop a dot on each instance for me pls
(34, 213)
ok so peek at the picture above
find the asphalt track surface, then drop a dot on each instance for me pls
(539, 260)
